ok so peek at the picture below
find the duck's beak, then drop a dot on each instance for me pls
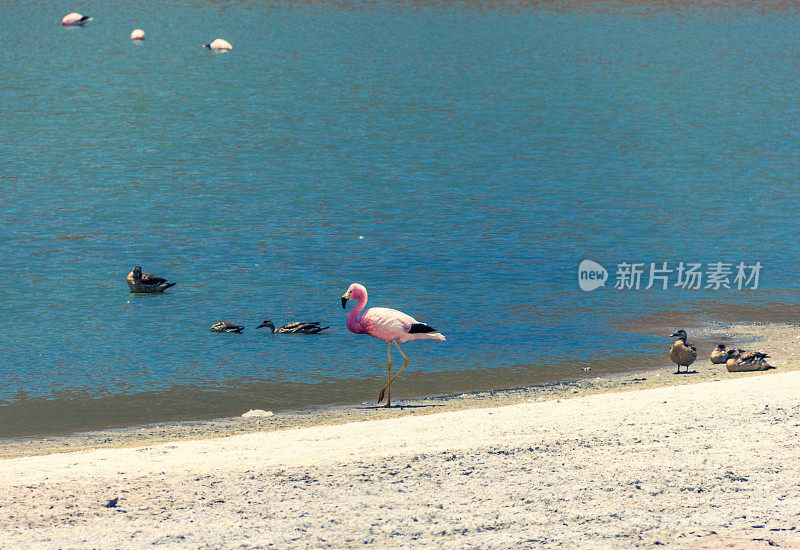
(345, 297)
(673, 335)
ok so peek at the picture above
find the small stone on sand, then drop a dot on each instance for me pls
(256, 413)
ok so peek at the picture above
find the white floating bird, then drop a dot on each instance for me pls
(219, 45)
(74, 19)
(137, 34)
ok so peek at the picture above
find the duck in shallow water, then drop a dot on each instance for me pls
(297, 327)
(144, 283)
(227, 326)
(682, 353)
(746, 361)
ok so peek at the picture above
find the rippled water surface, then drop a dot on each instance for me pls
(460, 159)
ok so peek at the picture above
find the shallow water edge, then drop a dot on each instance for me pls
(777, 338)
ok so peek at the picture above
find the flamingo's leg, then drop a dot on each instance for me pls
(389, 378)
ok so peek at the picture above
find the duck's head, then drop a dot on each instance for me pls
(354, 292)
(720, 347)
(679, 334)
(137, 272)
(267, 324)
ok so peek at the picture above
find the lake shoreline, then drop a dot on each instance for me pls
(775, 337)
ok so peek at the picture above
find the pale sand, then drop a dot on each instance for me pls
(705, 465)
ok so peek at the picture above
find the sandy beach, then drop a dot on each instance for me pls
(699, 461)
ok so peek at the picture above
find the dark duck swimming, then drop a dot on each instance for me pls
(226, 326)
(145, 283)
(296, 327)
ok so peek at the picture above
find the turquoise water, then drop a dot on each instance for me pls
(460, 159)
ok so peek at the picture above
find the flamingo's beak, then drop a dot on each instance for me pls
(345, 297)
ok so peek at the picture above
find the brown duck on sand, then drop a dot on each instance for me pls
(719, 354)
(682, 353)
(746, 361)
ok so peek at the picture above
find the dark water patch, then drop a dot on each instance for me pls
(28, 415)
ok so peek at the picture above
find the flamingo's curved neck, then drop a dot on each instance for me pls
(352, 321)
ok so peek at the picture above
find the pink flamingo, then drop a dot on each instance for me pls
(385, 324)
